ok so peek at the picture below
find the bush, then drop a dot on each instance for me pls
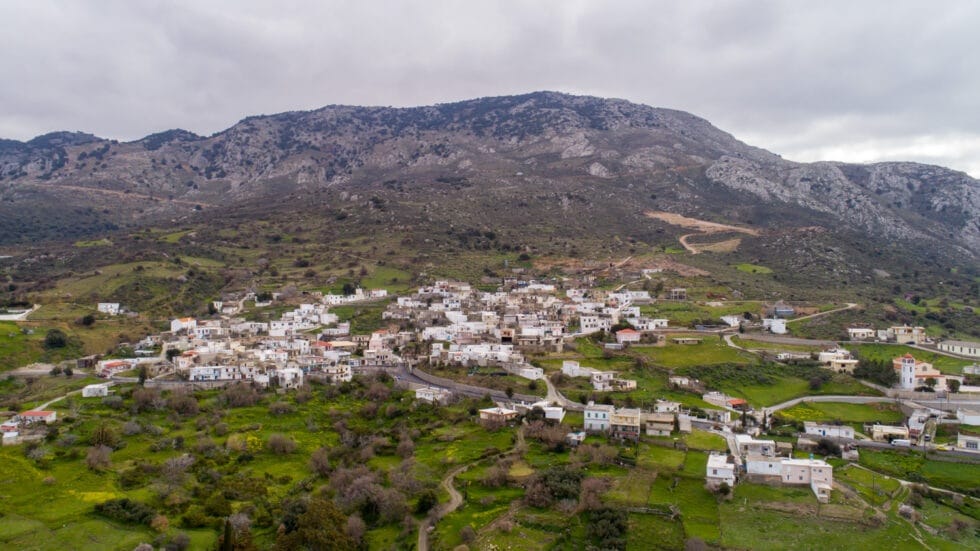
(320, 462)
(280, 408)
(607, 527)
(240, 395)
(126, 511)
(113, 402)
(281, 444)
(98, 458)
(55, 338)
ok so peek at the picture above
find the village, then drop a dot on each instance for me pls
(451, 323)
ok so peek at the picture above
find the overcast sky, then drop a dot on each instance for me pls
(829, 80)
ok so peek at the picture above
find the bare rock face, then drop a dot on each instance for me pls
(599, 171)
(542, 148)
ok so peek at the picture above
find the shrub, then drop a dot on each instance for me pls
(126, 511)
(320, 462)
(98, 458)
(280, 408)
(240, 395)
(113, 402)
(281, 444)
(160, 523)
(55, 338)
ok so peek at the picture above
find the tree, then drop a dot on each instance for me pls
(55, 338)
(953, 384)
(348, 289)
(142, 375)
(320, 462)
(319, 526)
(509, 392)
(931, 382)
(88, 320)
(98, 458)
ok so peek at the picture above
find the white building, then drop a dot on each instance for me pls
(968, 442)
(181, 324)
(776, 326)
(861, 333)
(93, 391)
(963, 348)
(572, 368)
(290, 377)
(816, 473)
(748, 445)
(720, 469)
(433, 395)
(763, 465)
(666, 406)
(831, 431)
(969, 416)
(597, 417)
(111, 308)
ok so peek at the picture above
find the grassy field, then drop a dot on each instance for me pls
(887, 352)
(912, 465)
(884, 412)
(711, 350)
(773, 346)
(753, 269)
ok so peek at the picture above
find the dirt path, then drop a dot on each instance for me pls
(703, 227)
(456, 498)
(849, 306)
(690, 248)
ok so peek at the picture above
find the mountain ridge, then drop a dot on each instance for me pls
(666, 159)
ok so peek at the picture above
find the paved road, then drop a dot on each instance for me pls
(557, 397)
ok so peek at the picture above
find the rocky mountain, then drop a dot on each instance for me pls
(551, 162)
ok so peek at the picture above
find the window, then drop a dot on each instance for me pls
(714, 471)
(801, 477)
(971, 444)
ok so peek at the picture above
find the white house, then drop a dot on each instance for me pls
(969, 416)
(666, 406)
(860, 333)
(92, 391)
(597, 417)
(816, 473)
(626, 336)
(968, 442)
(777, 326)
(838, 359)
(111, 308)
(763, 465)
(732, 321)
(290, 377)
(747, 444)
(181, 324)
(572, 368)
(720, 469)
(963, 348)
(433, 395)
(38, 416)
(832, 431)
(530, 372)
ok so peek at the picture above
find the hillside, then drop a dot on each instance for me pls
(548, 173)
